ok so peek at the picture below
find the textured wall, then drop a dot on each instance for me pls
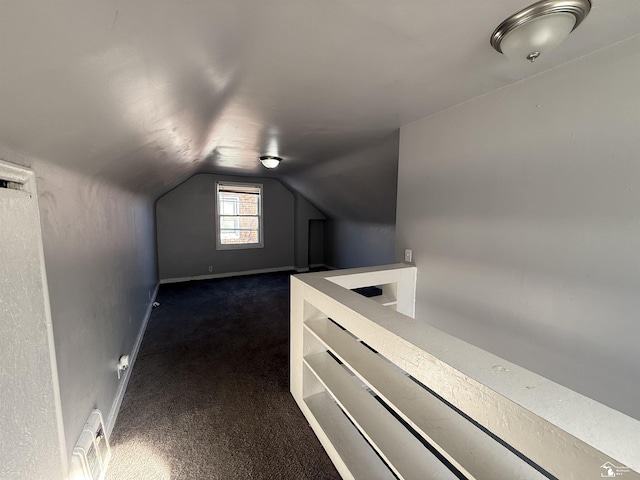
(186, 229)
(100, 260)
(30, 427)
(522, 208)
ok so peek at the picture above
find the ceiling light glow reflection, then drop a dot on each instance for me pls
(136, 459)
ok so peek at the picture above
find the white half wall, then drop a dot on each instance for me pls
(522, 208)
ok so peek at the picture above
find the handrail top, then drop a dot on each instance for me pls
(610, 431)
(366, 276)
(359, 270)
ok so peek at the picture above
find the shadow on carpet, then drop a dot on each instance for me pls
(209, 394)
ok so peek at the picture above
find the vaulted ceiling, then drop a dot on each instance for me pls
(147, 92)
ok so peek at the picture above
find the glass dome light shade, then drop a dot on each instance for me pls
(537, 35)
(538, 28)
(270, 162)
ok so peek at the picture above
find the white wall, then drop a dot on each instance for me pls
(186, 230)
(100, 260)
(31, 432)
(522, 208)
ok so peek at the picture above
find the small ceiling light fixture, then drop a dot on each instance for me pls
(269, 161)
(538, 28)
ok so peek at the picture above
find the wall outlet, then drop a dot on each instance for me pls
(408, 255)
(211, 268)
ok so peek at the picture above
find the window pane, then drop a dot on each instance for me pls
(249, 222)
(229, 222)
(229, 204)
(239, 214)
(248, 204)
(228, 237)
(250, 236)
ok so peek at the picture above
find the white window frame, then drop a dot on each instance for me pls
(239, 246)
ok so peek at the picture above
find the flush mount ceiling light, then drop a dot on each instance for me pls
(269, 161)
(538, 28)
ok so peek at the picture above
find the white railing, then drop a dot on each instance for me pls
(389, 396)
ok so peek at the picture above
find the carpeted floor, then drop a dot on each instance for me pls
(209, 396)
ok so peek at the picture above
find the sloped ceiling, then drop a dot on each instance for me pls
(145, 93)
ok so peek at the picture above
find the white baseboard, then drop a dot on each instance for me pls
(316, 265)
(227, 274)
(115, 407)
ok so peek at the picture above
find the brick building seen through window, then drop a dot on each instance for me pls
(239, 215)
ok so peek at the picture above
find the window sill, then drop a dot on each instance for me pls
(244, 246)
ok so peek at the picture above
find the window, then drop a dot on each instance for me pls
(238, 215)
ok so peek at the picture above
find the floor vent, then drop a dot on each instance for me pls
(92, 453)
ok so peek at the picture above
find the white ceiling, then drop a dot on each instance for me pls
(148, 92)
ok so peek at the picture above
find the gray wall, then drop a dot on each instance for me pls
(357, 191)
(100, 262)
(186, 230)
(359, 186)
(316, 242)
(522, 208)
(355, 244)
(31, 433)
(305, 214)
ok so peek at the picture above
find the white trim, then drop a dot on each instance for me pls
(62, 439)
(227, 274)
(30, 186)
(26, 177)
(115, 406)
(316, 265)
(240, 246)
(18, 174)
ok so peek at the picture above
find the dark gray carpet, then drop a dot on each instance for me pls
(209, 393)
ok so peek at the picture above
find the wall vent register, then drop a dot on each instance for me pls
(92, 453)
